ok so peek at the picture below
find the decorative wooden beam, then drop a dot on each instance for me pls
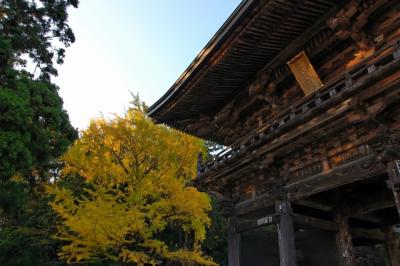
(287, 249)
(252, 224)
(311, 106)
(264, 200)
(360, 169)
(387, 146)
(350, 21)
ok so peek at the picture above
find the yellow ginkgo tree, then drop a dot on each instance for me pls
(135, 198)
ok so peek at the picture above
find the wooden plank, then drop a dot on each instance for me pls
(315, 204)
(262, 221)
(314, 222)
(360, 169)
(328, 207)
(344, 241)
(374, 202)
(373, 234)
(287, 249)
(264, 200)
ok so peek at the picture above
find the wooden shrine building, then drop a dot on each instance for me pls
(305, 97)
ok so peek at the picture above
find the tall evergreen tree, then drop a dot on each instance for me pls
(34, 127)
(37, 29)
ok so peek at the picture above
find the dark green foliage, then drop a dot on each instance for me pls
(26, 224)
(34, 128)
(12, 201)
(215, 244)
(20, 246)
(32, 27)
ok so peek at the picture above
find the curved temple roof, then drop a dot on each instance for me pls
(210, 49)
(252, 38)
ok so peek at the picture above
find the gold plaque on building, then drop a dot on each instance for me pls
(305, 73)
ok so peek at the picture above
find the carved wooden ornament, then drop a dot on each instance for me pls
(305, 73)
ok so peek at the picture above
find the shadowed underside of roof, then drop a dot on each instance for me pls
(252, 38)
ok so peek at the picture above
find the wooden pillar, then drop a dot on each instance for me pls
(392, 241)
(287, 248)
(394, 181)
(344, 241)
(392, 246)
(233, 244)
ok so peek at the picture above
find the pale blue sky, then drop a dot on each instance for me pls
(132, 45)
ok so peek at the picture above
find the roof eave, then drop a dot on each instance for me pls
(212, 46)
